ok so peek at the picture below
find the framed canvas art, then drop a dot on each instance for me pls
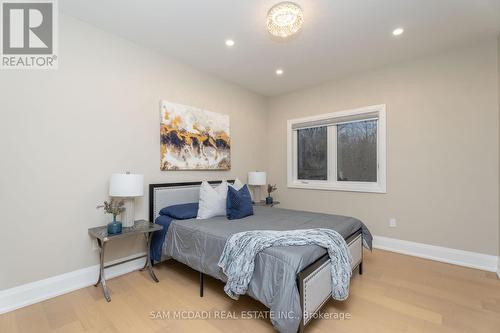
(193, 139)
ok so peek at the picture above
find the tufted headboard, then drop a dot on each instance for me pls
(168, 194)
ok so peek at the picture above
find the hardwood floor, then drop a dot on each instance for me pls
(396, 293)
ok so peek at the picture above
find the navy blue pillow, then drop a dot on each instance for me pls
(238, 203)
(181, 212)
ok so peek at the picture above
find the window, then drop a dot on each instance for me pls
(342, 151)
(311, 153)
(357, 151)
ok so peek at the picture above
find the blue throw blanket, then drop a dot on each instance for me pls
(238, 257)
(167, 215)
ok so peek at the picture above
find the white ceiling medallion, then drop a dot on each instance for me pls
(284, 19)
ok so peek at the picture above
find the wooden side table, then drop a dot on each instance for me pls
(102, 237)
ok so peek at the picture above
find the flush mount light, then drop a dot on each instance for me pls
(284, 19)
(229, 42)
(398, 31)
(279, 72)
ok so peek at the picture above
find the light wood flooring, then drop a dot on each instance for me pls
(396, 293)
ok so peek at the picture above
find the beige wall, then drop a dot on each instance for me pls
(63, 132)
(498, 88)
(442, 125)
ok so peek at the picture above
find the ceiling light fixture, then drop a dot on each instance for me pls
(398, 31)
(229, 42)
(284, 19)
(279, 72)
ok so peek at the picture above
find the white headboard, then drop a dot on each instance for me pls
(168, 194)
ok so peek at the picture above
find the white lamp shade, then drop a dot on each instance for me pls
(257, 178)
(126, 185)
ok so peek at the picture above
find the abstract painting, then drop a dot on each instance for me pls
(193, 139)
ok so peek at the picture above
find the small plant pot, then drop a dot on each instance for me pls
(114, 228)
(269, 200)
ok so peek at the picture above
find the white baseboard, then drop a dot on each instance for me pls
(498, 268)
(34, 292)
(476, 260)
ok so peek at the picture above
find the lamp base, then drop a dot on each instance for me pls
(129, 214)
(256, 194)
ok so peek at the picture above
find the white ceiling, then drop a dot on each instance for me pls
(339, 37)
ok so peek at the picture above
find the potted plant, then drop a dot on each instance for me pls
(270, 189)
(114, 207)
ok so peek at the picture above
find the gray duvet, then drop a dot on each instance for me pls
(200, 243)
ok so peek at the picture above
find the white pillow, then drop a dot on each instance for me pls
(237, 185)
(212, 200)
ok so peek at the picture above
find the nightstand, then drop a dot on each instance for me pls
(263, 203)
(101, 235)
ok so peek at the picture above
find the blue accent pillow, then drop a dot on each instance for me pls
(182, 211)
(238, 203)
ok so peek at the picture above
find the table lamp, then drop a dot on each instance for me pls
(127, 186)
(257, 179)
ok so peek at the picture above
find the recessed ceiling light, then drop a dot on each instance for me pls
(284, 19)
(398, 31)
(229, 42)
(279, 72)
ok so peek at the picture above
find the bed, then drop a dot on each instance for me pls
(297, 279)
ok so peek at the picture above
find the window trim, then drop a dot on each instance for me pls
(379, 187)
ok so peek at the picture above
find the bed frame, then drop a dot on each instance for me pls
(313, 282)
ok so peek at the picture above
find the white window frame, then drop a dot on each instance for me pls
(332, 184)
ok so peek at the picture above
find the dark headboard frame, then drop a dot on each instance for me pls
(152, 188)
